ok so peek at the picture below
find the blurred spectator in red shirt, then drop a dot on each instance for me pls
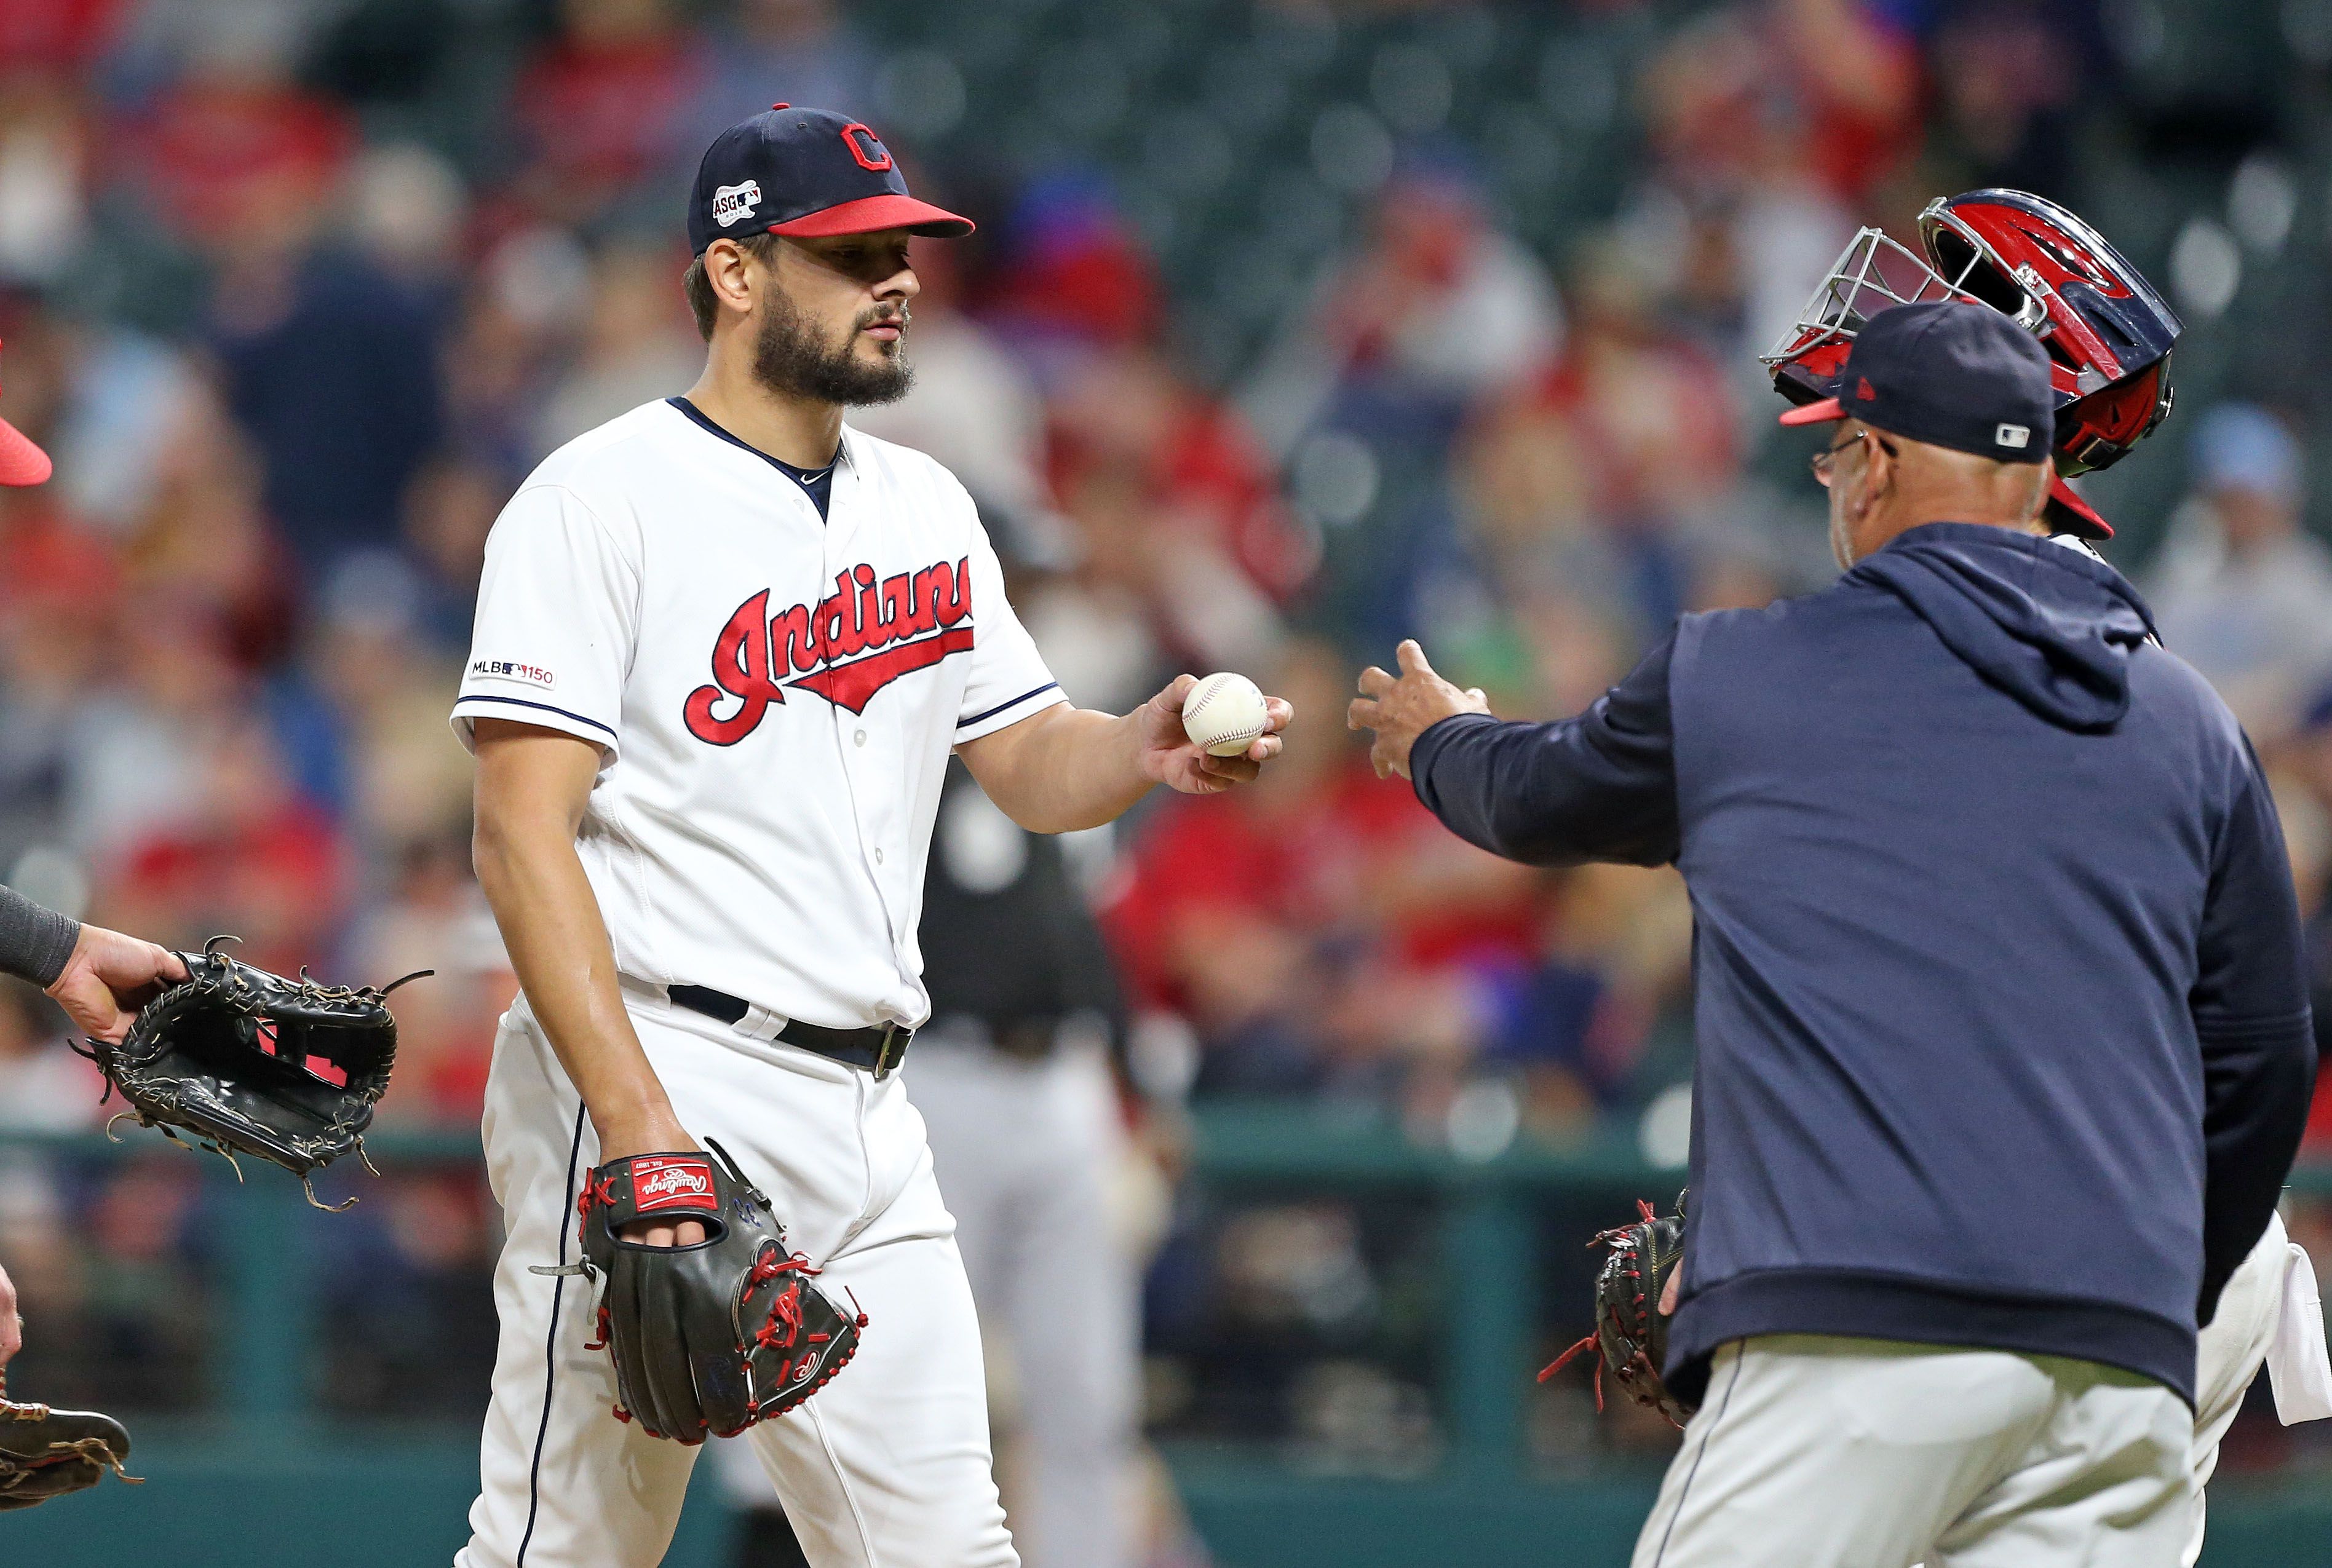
(1763, 94)
(1780, 120)
(1201, 486)
(1316, 926)
(250, 856)
(1072, 274)
(606, 107)
(235, 155)
(58, 35)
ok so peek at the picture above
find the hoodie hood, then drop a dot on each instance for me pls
(2052, 626)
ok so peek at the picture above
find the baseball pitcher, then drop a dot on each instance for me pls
(726, 645)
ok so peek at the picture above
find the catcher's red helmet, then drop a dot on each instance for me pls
(2108, 331)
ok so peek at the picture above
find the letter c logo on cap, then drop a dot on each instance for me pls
(851, 136)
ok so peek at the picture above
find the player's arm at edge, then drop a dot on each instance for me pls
(2251, 1018)
(1600, 785)
(1064, 769)
(532, 786)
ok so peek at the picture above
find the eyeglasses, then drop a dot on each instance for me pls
(1822, 463)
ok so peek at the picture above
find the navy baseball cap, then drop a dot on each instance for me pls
(1948, 373)
(806, 172)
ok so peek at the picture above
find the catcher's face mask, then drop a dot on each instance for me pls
(2108, 332)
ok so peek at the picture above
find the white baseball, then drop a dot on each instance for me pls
(1224, 713)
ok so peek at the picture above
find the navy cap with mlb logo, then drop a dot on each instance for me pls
(805, 172)
(1950, 374)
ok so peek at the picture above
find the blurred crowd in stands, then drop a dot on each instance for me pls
(297, 291)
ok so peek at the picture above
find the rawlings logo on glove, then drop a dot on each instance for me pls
(664, 1183)
(711, 1338)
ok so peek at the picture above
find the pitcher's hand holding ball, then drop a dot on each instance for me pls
(1400, 708)
(1182, 761)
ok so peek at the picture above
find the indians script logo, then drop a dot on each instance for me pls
(679, 1184)
(855, 642)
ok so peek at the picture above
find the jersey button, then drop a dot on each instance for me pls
(878, 857)
(860, 737)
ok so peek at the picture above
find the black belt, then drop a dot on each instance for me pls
(877, 1051)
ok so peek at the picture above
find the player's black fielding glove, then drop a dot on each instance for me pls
(251, 1062)
(711, 1338)
(1631, 1330)
(46, 1453)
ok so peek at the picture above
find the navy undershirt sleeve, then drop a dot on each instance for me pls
(1597, 787)
(2251, 1012)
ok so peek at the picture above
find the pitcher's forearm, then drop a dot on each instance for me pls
(1063, 770)
(559, 948)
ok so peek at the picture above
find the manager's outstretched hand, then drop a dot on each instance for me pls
(1400, 708)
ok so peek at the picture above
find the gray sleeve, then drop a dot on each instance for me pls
(34, 939)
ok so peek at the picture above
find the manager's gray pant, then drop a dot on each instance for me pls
(1816, 1451)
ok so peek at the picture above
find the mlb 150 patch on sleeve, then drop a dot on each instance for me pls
(511, 670)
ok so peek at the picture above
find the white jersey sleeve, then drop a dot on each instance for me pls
(557, 622)
(1008, 680)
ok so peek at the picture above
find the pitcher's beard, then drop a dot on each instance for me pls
(789, 359)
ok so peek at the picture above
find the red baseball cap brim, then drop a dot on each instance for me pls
(21, 460)
(872, 215)
(1822, 413)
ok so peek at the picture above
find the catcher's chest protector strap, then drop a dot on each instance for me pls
(658, 1186)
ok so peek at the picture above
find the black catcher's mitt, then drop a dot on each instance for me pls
(248, 1062)
(46, 1453)
(1629, 1328)
(715, 1337)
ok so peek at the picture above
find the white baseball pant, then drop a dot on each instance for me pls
(1821, 1451)
(887, 1466)
(1027, 1152)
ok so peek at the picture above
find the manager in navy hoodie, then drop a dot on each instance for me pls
(2003, 1034)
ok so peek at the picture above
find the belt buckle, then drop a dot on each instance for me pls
(886, 1059)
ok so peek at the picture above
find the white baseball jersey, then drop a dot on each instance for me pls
(775, 696)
